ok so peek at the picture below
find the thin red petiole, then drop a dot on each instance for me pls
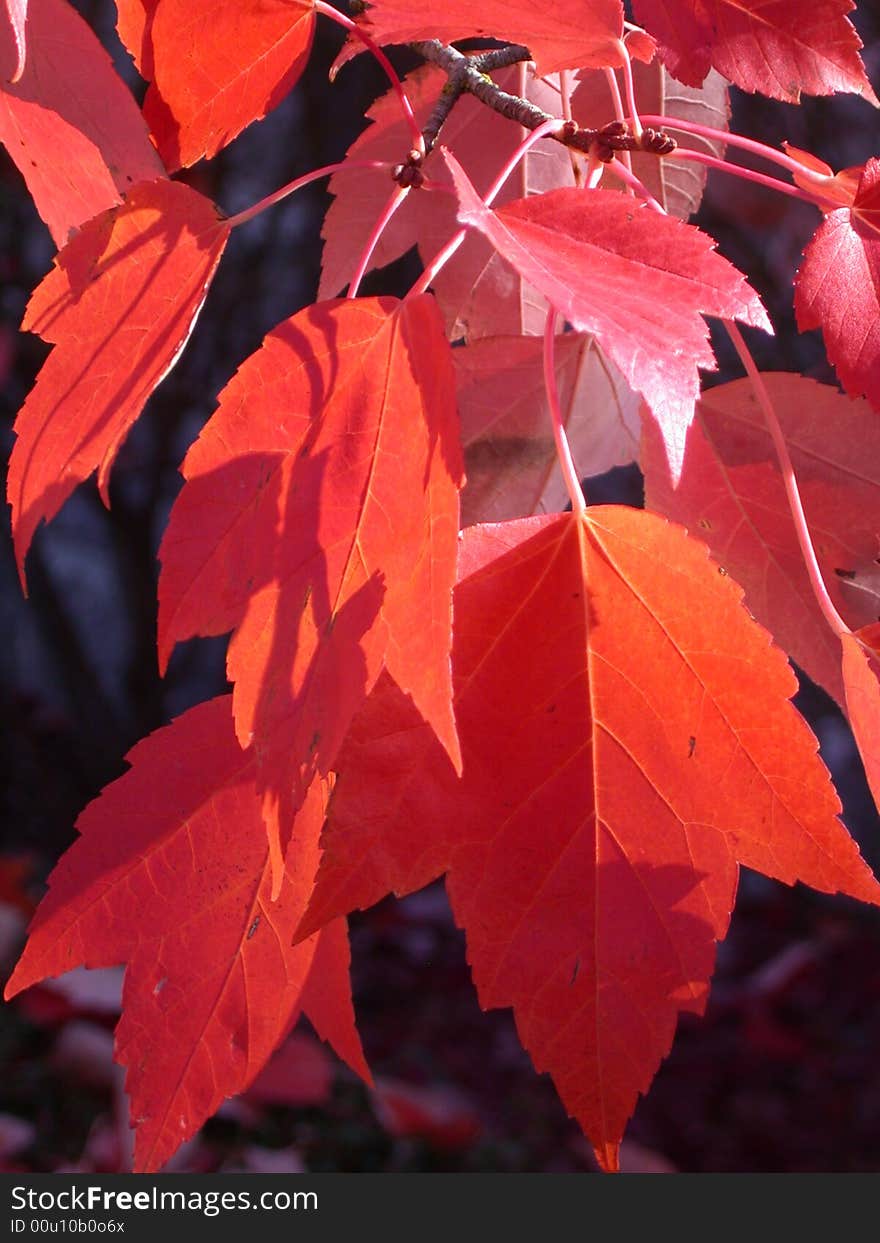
(636, 185)
(292, 186)
(400, 193)
(814, 198)
(595, 171)
(760, 149)
(729, 138)
(565, 100)
(354, 29)
(629, 87)
(808, 552)
(619, 111)
(554, 125)
(563, 449)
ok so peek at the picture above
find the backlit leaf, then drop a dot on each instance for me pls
(69, 100)
(319, 520)
(731, 495)
(182, 897)
(119, 305)
(592, 843)
(777, 47)
(213, 68)
(566, 34)
(636, 280)
(837, 287)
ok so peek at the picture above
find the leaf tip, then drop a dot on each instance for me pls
(608, 1156)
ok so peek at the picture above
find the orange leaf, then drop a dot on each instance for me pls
(320, 520)
(627, 739)
(182, 896)
(119, 306)
(214, 68)
(68, 99)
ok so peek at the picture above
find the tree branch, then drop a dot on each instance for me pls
(468, 74)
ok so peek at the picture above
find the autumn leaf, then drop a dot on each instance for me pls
(636, 280)
(66, 97)
(731, 495)
(213, 68)
(567, 34)
(837, 288)
(319, 520)
(776, 47)
(119, 306)
(16, 16)
(506, 431)
(861, 672)
(212, 984)
(592, 843)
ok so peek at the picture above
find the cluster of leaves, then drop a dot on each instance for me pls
(569, 714)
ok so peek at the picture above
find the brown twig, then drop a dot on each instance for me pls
(468, 74)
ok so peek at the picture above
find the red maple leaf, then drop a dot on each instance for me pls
(592, 842)
(567, 34)
(731, 495)
(776, 47)
(213, 68)
(837, 287)
(66, 98)
(636, 280)
(320, 520)
(182, 896)
(119, 306)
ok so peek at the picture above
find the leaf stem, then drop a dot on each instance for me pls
(761, 179)
(619, 112)
(297, 184)
(563, 448)
(629, 87)
(354, 29)
(808, 552)
(728, 137)
(550, 126)
(396, 199)
(635, 184)
(760, 149)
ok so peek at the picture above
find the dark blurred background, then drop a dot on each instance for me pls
(780, 1075)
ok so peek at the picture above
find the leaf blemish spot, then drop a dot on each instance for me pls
(253, 928)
